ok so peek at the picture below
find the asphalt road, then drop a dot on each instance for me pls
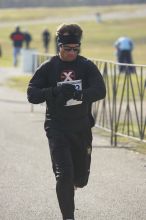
(117, 185)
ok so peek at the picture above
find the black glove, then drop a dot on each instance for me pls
(78, 95)
(68, 90)
(60, 100)
(56, 90)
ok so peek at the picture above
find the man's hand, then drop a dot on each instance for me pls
(78, 95)
(66, 89)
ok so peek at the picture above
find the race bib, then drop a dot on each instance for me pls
(78, 86)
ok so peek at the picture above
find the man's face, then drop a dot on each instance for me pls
(69, 52)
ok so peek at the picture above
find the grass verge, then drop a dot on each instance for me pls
(98, 38)
(123, 142)
(18, 82)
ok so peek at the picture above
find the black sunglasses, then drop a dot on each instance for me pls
(68, 49)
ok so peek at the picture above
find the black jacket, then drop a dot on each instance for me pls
(18, 38)
(67, 118)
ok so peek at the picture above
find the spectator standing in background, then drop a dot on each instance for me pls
(46, 39)
(27, 39)
(124, 47)
(98, 17)
(17, 38)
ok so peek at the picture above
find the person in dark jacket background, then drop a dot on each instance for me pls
(69, 84)
(17, 38)
(27, 39)
(46, 36)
